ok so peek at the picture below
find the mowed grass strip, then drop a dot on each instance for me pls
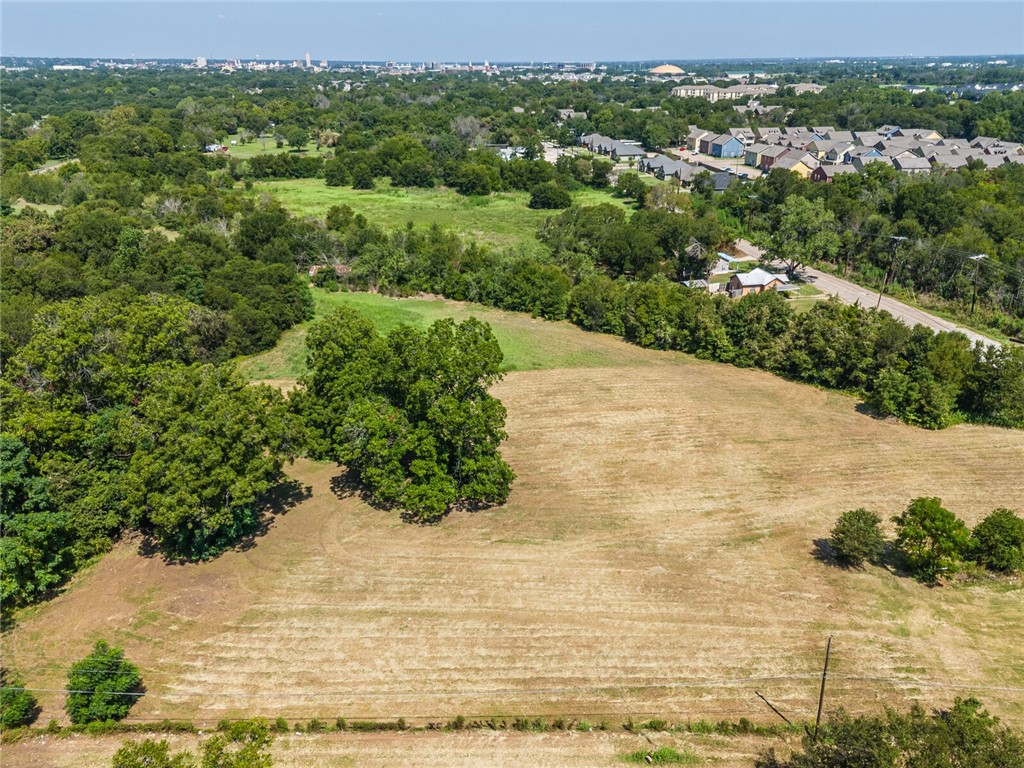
(528, 343)
(501, 219)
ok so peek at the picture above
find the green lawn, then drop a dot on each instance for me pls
(501, 219)
(267, 146)
(528, 343)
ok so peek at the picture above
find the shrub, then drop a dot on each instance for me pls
(932, 539)
(856, 537)
(998, 541)
(18, 707)
(281, 725)
(245, 744)
(149, 754)
(103, 686)
(964, 735)
(549, 196)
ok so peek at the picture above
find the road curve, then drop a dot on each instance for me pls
(851, 293)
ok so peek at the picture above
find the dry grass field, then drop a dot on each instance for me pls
(655, 558)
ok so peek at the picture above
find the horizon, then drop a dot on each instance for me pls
(512, 32)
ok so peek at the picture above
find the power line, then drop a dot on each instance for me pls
(677, 685)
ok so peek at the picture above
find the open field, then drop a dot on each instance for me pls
(654, 559)
(528, 343)
(501, 219)
(431, 750)
(266, 145)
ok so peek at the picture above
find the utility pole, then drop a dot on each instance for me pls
(821, 696)
(977, 259)
(896, 240)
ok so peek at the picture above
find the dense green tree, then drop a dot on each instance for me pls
(549, 195)
(362, 177)
(409, 413)
(997, 542)
(807, 231)
(18, 707)
(856, 537)
(474, 178)
(209, 446)
(102, 686)
(932, 539)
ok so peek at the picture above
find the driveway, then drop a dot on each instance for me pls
(851, 293)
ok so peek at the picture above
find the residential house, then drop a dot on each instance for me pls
(756, 280)
(726, 145)
(693, 138)
(752, 154)
(911, 164)
(768, 135)
(949, 160)
(794, 164)
(825, 173)
(651, 164)
(846, 136)
(622, 150)
(743, 134)
(679, 170)
(862, 161)
(837, 152)
(771, 155)
(704, 145)
(921, 134)
(860, 152)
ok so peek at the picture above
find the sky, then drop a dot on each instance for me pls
(577, 30)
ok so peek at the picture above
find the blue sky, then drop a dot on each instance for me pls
(421, 30)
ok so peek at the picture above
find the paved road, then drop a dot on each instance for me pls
(851, 293)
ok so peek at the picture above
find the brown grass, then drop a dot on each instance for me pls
(655, 557)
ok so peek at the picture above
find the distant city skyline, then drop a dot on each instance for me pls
(511, 31)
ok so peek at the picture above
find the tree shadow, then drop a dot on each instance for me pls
(866, 409)
(278, 501)
(346, 485)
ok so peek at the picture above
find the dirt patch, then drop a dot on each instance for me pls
(655, 558)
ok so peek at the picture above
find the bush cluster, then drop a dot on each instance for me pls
(932, 541)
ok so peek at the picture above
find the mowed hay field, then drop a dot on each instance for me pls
(655, 559)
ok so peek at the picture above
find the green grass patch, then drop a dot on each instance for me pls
(528, 343)
(501, 219)
(661, 756)
(47, 208)
(266, 145)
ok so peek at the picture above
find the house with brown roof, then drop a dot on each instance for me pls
(756, 280)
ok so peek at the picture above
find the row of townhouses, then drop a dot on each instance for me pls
(819, 153)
